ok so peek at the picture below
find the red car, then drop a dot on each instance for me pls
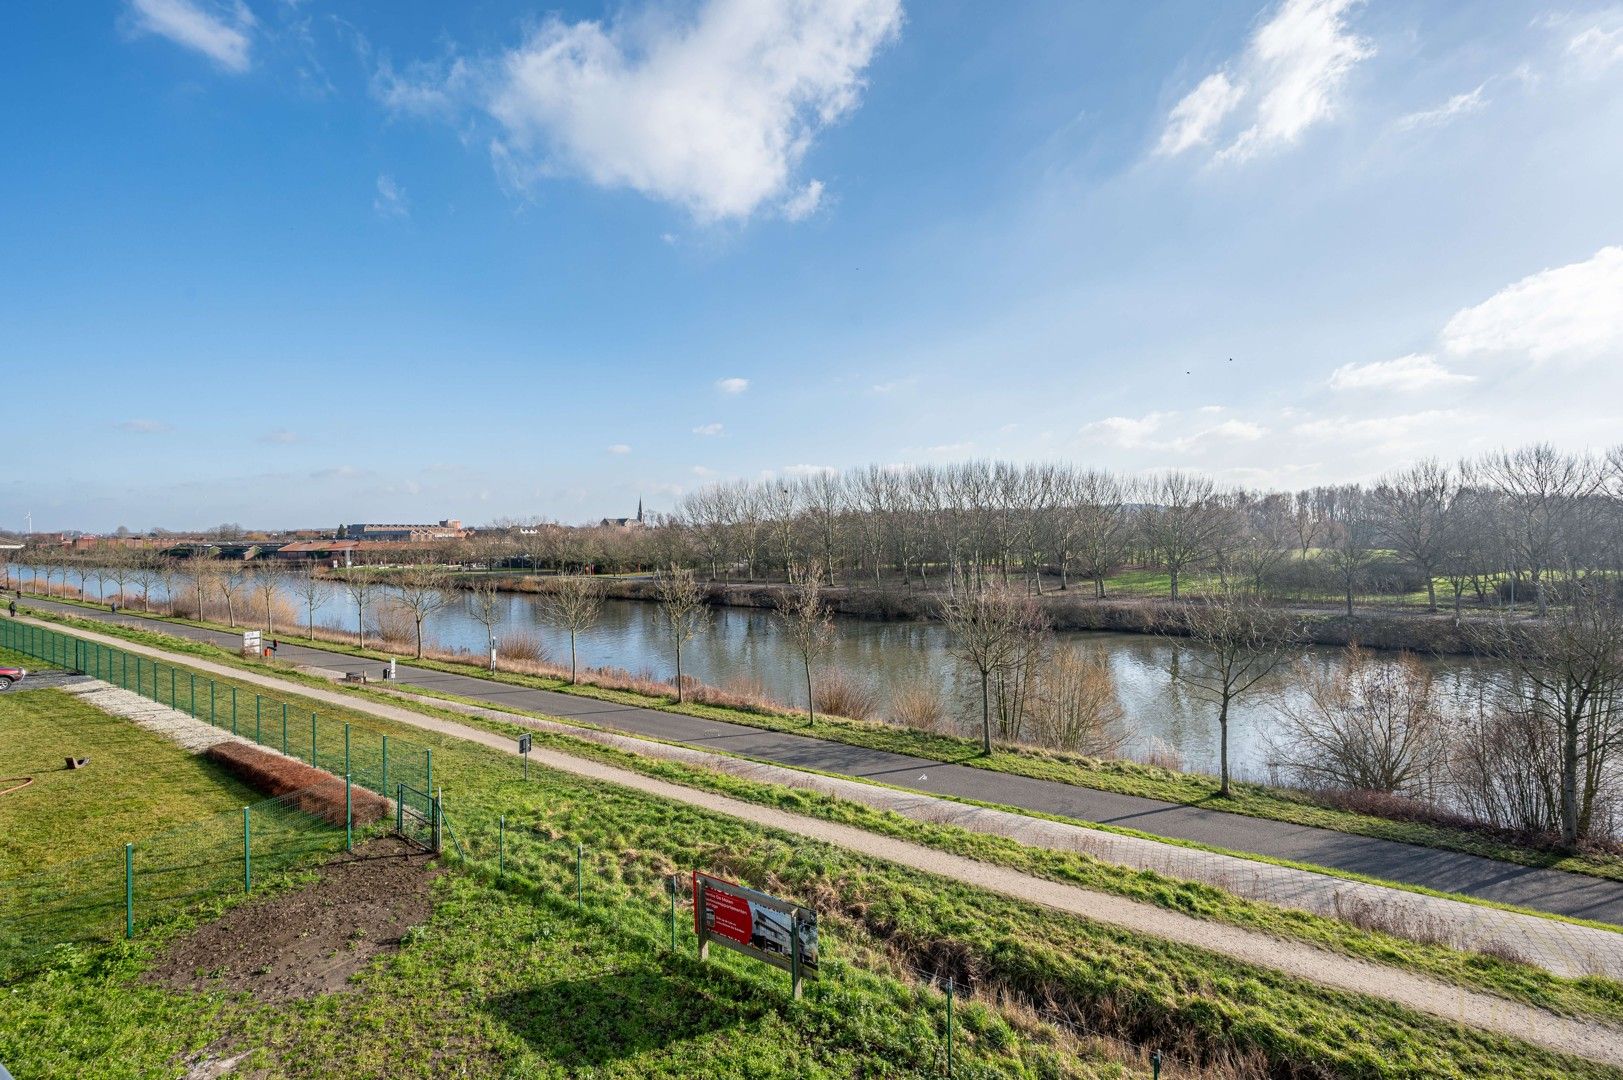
(9, 675)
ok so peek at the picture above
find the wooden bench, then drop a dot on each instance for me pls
(355, 676)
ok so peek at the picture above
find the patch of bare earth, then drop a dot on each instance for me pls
(307, 941)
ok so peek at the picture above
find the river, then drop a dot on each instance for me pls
(746, 647)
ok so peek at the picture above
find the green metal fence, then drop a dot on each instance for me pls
(375, 762)
(114, 892)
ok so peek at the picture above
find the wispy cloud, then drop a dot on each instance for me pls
(1288, 78)
(708, 429)
(390, 200)
(1456, 106)
(220, 31)
(1170, 431)
(734, 385)
(144, 427)
(280, 437)
(619, 448)
(1417, 371)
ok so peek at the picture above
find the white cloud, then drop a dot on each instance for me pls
(1377, 428)
(281, 437)
(733, 385)
(619, 448)
(894, 385)
(703, 472)
(809, 470)
(1598, 46)
(708, 429)
(218, 30)
(1458, 105)
(1417, 371)
(1573, 311)
(713, 111)
(804, 203)
(390, 200)
(1194, 120)
(1125, 431)
(144, 427)
(1170, 431)
(1288, 78)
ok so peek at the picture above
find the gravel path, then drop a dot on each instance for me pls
(1584, 1038)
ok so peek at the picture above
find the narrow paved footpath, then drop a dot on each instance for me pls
(1554, 891)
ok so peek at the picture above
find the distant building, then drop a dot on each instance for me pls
(448, 529)
(626, 523)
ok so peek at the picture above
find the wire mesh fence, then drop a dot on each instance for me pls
(101, 896)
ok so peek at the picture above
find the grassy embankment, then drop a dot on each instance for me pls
(1125, 777)
(540, 989)
(1587, 996)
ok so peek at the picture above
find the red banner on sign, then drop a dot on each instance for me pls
(728, 916)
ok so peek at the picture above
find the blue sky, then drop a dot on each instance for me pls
(302, 263)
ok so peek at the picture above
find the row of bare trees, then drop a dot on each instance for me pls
(1513, 526)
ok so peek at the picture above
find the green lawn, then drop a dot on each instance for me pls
(480, 784)
(137, 783)
(517, 982)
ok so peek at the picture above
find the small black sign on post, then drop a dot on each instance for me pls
(524, 748)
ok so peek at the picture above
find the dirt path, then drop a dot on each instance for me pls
(1582, 1038)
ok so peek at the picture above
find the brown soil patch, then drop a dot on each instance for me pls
(309, 941)
(315, 791)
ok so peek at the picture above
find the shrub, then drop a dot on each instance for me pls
(838, 694)
(918, 704)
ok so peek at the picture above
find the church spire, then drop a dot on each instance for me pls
(639, 510)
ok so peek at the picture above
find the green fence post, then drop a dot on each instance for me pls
(284, 727)
(233, 710)
(171, 687)
(346, 749)
(437, 810)
(383, 783)
(349, 816)
(312, 739)
(501, 847)
(247, 855)
(129, 890)
(580, 859)
(428, 767)
(949, 1025)
(257, 712)
(400, 810)
(126, 665)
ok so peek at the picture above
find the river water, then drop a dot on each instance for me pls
(746, 647)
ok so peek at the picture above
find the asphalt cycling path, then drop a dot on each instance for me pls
(1553, 891)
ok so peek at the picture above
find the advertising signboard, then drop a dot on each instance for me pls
(251, 642)
(772, 930)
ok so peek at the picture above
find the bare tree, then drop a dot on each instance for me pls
(576, 602)
(485, 600)
(422, 593)
(1183, 522)
(360, 585)
(312, 589)
(808, 622)
(1569, 678)
(681, 603)
(1544, 493)
(990, 628)
(1411, 510)
(232, 580)
(1239, 642)
(1076, 707)
(1363, 723)
(204, 572)
(265, 584)
(1350, 548)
